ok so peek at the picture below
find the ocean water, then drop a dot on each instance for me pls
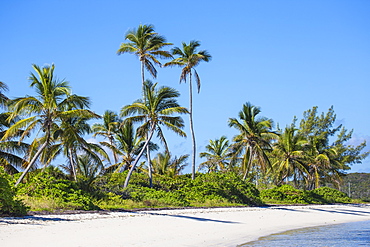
(343, 235)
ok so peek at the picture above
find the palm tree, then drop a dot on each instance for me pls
(322, 164)
(289, 156)
(11, 151)
(71, 142)
(45, 111)
(88, 167)
(108, 130)
(154, 111)
(254, 139)
(164, 164)
(3, 99)
(147, 46)
(188, 59)
(127, 144)
(218, 155)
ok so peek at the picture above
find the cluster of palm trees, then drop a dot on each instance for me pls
(60, 118)
(56, 122)
(298, 155)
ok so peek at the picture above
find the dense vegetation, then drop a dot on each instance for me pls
(119, 171)
(357, 185)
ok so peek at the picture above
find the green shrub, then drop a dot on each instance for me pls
(331, 195)
(226, 187)
(207, 189)
(159, 198)
(8, 204)
(63, 194)
(287, 194)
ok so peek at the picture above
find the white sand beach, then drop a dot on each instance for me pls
(183, 227)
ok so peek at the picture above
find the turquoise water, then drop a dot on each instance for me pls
(343, 235)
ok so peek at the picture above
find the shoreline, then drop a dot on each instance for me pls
(172, 227)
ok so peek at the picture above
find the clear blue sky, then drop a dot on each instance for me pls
(284, 56)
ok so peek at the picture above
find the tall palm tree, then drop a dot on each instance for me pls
(218, 155)
(188, 58)
(147, 45)
(154, 111)
(165, 164)
(45, 111)
(254, 139)
(289, 156)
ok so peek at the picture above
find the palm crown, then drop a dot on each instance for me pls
(147, 45)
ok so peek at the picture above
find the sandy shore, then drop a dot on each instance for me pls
(189, 227)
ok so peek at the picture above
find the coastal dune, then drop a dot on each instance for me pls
(180, 227)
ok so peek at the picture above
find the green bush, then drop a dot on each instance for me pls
(227, 187)
(8, 204)
(287, 194)
(62, 193)
(331, 195)
(159, 198)
(207, 189)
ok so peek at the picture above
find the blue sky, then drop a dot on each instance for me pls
(284, 56)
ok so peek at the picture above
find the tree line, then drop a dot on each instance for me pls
(35, 130)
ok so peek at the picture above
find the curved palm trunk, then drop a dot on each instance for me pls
(192, 126)
(150, 169)
(72, 164)
(248, 165)
(138, 158)
(31, 163)
(115, 156)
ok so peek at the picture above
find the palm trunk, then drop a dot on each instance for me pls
(248, 165)
(114, 152)
(142, 74)
(149, 167)
(191, 126)
(138, 158)
(72, 164)
(31, 163)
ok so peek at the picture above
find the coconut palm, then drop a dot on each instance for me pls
(188, 58)
(45, 111)
(164, 164)
(154, 111)
(322, 164)
(89, 167)
(107, 130)
(128, 145)
(71, 142)
(218, 155)
(3, 99)
(12, 152)
(147, 46)
(254, 139)
(288, 156)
